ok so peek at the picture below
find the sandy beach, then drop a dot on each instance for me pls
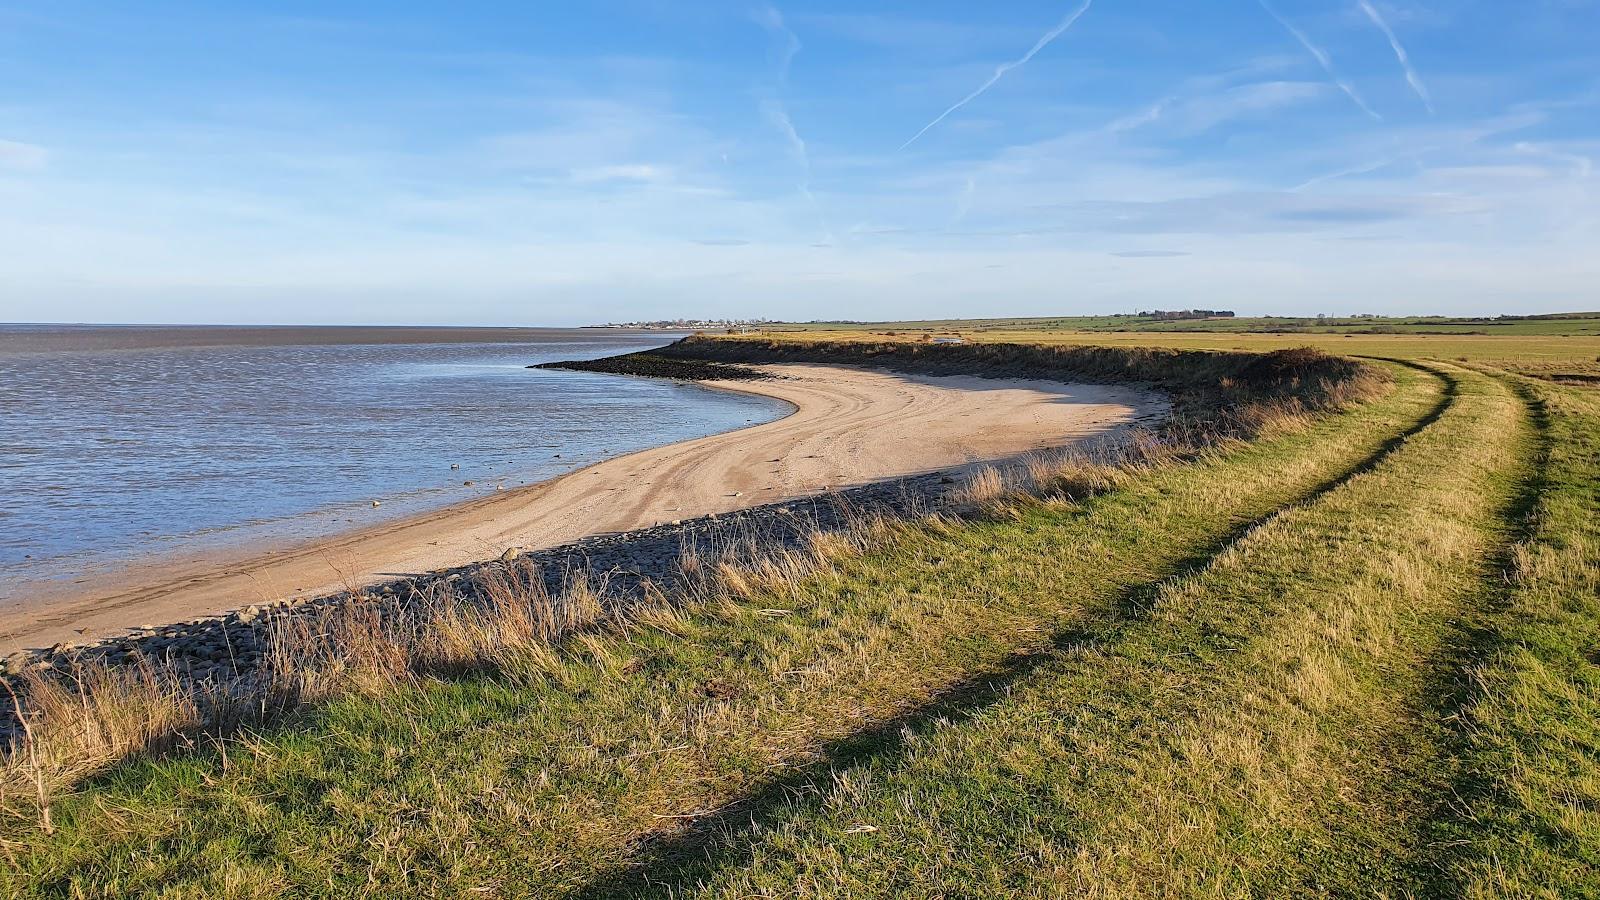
(849, 427)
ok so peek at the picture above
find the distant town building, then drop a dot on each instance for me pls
(745, 326)
(1165, 315)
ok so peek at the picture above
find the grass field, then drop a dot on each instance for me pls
(1358, 654)
(1553, 325)
(1543, 347)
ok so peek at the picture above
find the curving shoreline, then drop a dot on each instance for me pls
(850, 427)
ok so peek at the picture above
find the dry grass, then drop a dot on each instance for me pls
(96, 715)
(371, 645)
(1077, 473)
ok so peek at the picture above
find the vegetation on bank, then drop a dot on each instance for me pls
(1556, 348)
(1351, 654)
(1157, 322)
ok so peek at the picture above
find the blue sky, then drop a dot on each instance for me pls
(540, 163)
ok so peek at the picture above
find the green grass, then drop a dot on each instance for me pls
(1360, 657)
(550, 787)
(1557, 347)
(1562, 324)
(1533, 354)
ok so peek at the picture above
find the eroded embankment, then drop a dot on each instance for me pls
(616, 749)
(1203, 381)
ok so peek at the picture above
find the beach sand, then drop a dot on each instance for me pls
(849, 427)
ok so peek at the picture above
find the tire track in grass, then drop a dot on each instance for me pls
(1220, 747)
(1411, 765)
(719, 840)
(1522, 812)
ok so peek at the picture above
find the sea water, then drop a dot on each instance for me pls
(127, 443)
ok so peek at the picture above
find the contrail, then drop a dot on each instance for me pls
(772, 20)
(1323, 59)
(1003, 68)
(778, 114)
(779, 117)
(1400, 54)
(1367, 169)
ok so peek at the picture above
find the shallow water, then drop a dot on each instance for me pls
(130, 443)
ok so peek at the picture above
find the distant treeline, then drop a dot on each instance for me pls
(1169, 315)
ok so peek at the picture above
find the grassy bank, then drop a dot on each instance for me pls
(1542, 355)
(1548, 325)
(1353, 654)
(550, 782)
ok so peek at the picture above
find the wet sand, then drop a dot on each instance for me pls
(849, 427)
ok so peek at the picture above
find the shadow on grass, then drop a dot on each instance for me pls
(721, 840)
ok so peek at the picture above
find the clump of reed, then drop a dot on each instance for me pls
(73, 725)
(506, 621)
(1079, 473)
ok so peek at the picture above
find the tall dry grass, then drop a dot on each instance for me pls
(1077, 473)
(75, 723)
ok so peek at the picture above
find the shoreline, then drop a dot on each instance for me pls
(849, 427)
(243, 543)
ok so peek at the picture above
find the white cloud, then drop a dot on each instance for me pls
(788, 46)
(22, 157)
(1207, 112)
(1582, 166)
(777, 113)
(916, 35)
(621, 172)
